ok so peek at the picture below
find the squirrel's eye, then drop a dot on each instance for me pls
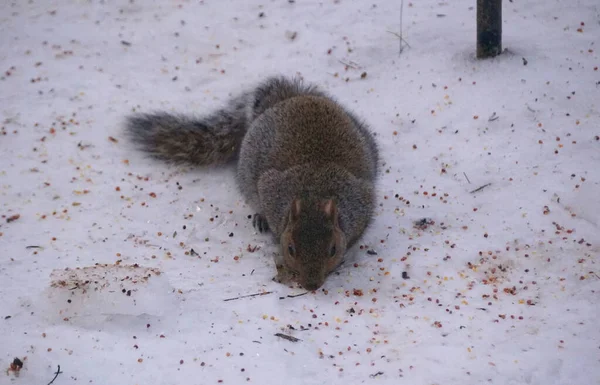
(332, 251)
(291, 249)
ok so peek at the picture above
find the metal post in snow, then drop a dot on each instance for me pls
(489, 28)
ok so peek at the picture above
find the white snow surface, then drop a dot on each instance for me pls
(97, 272)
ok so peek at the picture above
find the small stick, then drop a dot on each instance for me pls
(347, 64)
(55, 375)
(297, 295)
(493, 117)
(465, 174)
(286, 337)
(400, 37)
(294, 295)
(481, 188)
(247, 296)
(33, 247)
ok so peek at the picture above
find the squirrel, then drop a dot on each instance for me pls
(305, 164)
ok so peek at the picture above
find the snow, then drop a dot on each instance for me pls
(501, 285)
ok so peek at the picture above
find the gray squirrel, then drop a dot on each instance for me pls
(305, 164)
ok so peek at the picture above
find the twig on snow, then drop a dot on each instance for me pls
(55, 375)
(286, 337)
(347, 64)
(399, 36)
(247, 296)
(294, 295)
(465, 174)
(493, 117)
(481, 188)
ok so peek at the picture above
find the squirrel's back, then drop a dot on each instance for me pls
(309, 129)
(305, 131)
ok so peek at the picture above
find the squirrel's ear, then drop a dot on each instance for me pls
(295, 209)
(330, 209)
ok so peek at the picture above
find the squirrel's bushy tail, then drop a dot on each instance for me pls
(177, 138)
(212, 139)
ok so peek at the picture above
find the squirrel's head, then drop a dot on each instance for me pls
(313, 244)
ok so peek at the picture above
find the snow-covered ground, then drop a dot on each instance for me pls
(123, 270)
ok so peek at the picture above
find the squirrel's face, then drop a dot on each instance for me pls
(313, 244)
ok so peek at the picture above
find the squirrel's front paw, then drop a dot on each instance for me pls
(284, 276)
(278, 278)
(260, 223)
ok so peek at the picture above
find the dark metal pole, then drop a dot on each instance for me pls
(489, 28)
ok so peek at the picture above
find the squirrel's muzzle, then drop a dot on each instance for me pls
(311, 286)
(313, 281)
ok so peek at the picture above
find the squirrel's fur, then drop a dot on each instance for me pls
(305, 164)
